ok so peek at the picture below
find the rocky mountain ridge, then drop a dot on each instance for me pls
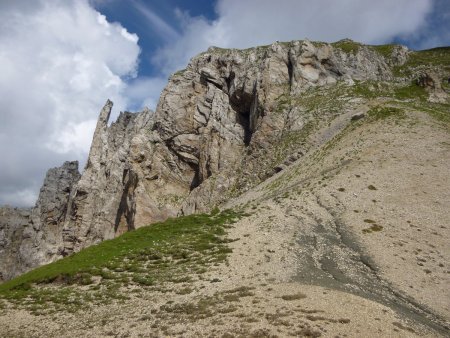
(230, 120)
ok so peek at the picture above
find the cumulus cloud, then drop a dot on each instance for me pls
(60, 61)
(435, 32)
(242, 24)
(144, 92)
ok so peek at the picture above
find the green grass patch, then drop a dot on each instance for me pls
(163, 252)
(364, 89)
(425, 58)
(373, 228)
(372, 89)
(379, 113)
(384, 50)
(412, 91)
(348, 46)
(440, 112)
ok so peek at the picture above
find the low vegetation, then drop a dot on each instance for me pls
(425, 58)
(384, 50)
(169, 251)
(348, 46)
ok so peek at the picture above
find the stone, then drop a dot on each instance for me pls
(399, 55)
(432, 84)
(357, 116)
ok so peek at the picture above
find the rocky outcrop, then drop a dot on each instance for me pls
(226, 104)
(214, 122)
(399, 56)
(124, 182)
(12, 223)
(102, 203)
(32, 237)
(432, 84)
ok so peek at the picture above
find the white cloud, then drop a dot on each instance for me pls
(242, 24)
(157, 23)
(73, 138)
(144, 92)
(60, 61)
(26, 196)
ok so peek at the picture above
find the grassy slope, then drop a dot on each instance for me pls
(148, 256)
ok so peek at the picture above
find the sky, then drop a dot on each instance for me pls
(60, 60)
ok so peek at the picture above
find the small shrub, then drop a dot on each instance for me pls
(384, 50)
(143, 280)
(184, 291)
(348, 46)
(373, 228)
(379, 113)
(294, 296)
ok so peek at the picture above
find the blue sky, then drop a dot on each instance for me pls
(60, 60)
(155, 22)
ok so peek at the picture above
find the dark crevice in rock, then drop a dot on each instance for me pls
(127, 208)
(244, 120)
(247, 108)
(290, 68)
(206, 78)
(255, 110)
(229, 81)
(331, 67)
(196, 181)
(241, 101)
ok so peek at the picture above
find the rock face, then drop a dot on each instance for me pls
(227, 103)
(207, 140)
(32, 237)
(12, 223)
(103, 202)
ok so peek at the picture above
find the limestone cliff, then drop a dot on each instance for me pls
(32, 237)
(222, 125)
